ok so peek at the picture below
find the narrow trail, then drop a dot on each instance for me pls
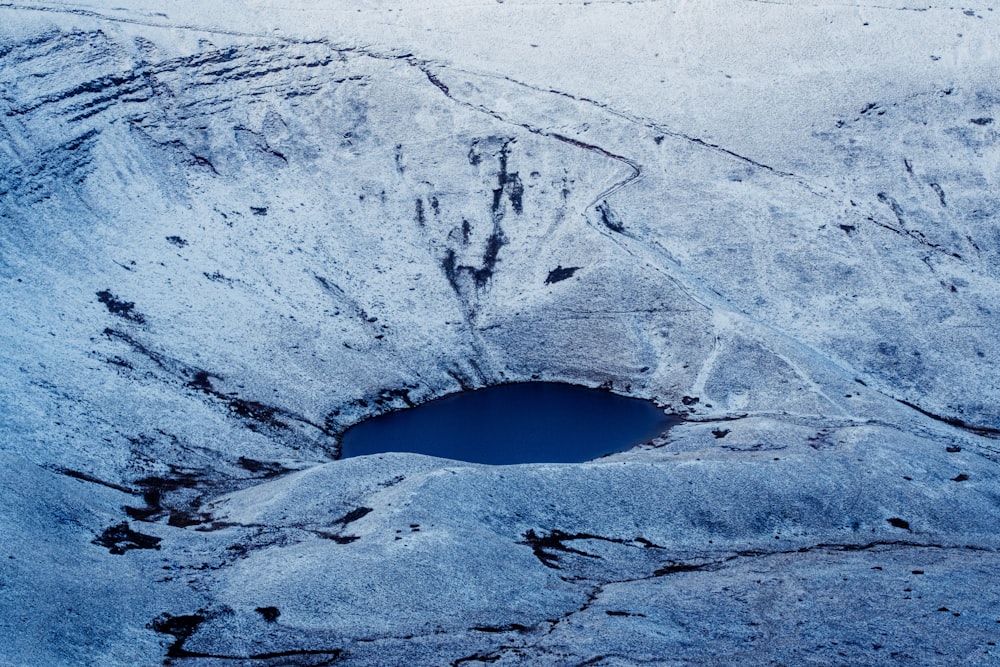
(636, 170)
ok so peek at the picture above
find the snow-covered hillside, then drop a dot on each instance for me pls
(228, 233)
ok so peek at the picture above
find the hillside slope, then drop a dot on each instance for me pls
(227, 236)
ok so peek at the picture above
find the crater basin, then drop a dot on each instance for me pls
(528, 422)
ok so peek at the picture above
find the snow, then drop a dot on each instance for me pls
(231, 231)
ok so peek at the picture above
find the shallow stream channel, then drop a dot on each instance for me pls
(528, 422)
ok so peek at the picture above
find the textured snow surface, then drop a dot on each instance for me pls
(229, 232)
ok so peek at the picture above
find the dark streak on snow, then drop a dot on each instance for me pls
(121, 538)
(984, 431)
(121, 308)
(559, 273)
(183, 627)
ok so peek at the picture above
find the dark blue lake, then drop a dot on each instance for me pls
(528, 422)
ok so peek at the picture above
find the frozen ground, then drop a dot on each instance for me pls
(227, 233)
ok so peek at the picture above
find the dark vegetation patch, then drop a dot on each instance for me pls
(398, 157)
(624, 613)
(338, 538)
(940, 193)
(180, 627)
(476, 657)
(255, 412)
(177, 241)
(178, 495)
(217, 277)
(270, 614)
(118, 361)
(474, 156)
(894, 206)
(350, 517)
(509, 185)
(985, 431)
(264, 468)
(491, 255)
(548, 547)
(84, 477)
(646, 543)
(674, 568)
(450, 269)
(437, 82)
(121, 538)
(896, 522)
(481, 275)
(510, 627)
(981, 121)
(609, 218)
(353, 515)
(873, 106)
(421, 216)
(820, 440)
(383, 401)
(123, 309)
(183, 627)
(560, 273)
(160, 493)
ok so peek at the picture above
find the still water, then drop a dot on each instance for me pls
(527, 422)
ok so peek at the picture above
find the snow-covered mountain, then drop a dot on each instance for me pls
(231, 232)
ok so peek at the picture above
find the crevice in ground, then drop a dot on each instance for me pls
(984, 431)
(183, 627)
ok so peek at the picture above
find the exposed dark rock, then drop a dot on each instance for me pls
(542, 545)
(266, 468)
(896, 522)
(353, 515)
(123, 309)
(623, 613)
(560, 273)
(121, 538)
(180, 627)
(476, 657)
(609, 218)
(985, 431)
(270, 614)
(510, 627)
(421, 218)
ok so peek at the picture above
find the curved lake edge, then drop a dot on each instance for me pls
(560, 422)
